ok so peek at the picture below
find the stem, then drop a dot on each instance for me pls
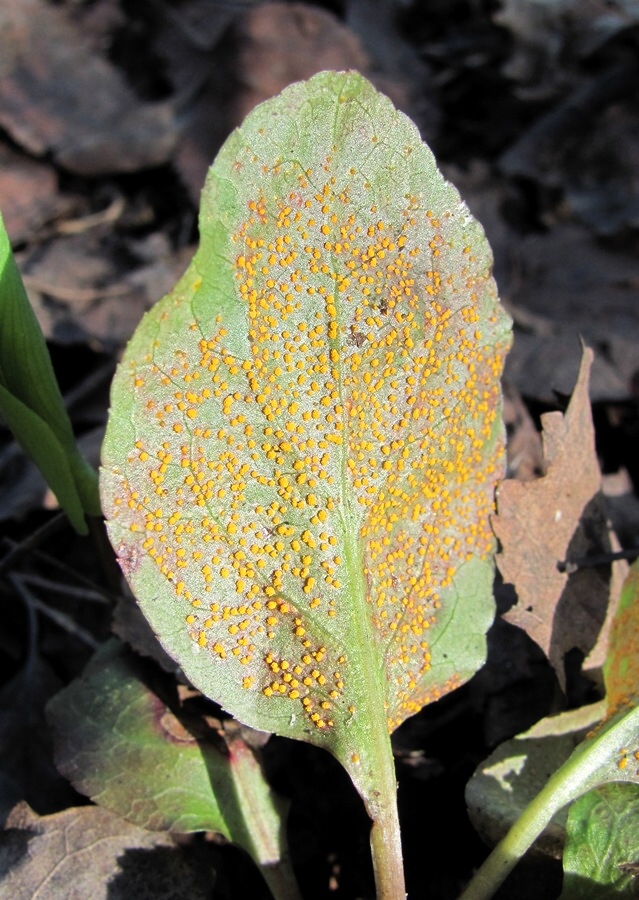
(592, 763)
(377, 786)
(375, 779)
(281, 880)
(374, 774)
(386, 849)
(258, 817)
(503, 859)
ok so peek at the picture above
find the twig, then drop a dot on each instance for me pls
(596, 559)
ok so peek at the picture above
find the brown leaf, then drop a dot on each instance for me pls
(549, 38)
(561, 277)
(90, 852)
(80, 291)
(553, 283)
(27, 757)
(525, 456)
(558, 517)
(580, 287)
(91, 122)
(268, 47)
(284, 42)
(29, 192)
(278, 43)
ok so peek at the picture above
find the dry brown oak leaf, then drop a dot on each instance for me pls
(557, 517)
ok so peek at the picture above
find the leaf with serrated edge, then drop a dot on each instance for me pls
(305, 435)
(539, 521)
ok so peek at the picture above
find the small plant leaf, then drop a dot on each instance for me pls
(603, 826)
(119, 744)
(584, 776)
(40, 443)
(606, 756)
(510, 778)
(305, 436)
(30, 400)
(602, 848)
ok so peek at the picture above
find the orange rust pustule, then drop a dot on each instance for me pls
(368, 400)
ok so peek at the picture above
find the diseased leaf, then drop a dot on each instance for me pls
(118, 743)
(90, 852)
(621, 670)
(305, 435)
(602, 847)
(592, 667)
(542, 523)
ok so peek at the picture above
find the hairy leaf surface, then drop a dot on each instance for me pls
(305, 435)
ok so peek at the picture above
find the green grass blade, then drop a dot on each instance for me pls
(43, 447)
(31, 402)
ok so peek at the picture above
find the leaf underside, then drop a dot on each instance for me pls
(305, 435)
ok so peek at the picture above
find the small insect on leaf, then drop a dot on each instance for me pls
(305, 435)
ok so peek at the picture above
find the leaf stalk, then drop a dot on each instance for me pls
(386, 850)
(591, 764)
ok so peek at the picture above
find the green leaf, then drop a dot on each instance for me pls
(602, 849)
(305, 436)
(119, 744)
(603, 826)
(30, 400)
(40, 443)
